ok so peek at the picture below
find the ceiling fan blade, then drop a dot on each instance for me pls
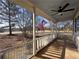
(65, 6)
(54, 14)
(54, 10)
(68, 10)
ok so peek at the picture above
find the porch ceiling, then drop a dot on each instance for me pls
(48, 5)
(44, 8)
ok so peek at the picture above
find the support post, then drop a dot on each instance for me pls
(56, 30)
(34, 40)
(74, 30)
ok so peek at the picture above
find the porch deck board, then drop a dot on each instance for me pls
(52, 51)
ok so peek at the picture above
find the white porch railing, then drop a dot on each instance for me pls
(25, 51)
(44, 40)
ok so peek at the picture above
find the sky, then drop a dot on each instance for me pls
(62, 24)
(38, 18)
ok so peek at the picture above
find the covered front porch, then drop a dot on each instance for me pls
(59, 39)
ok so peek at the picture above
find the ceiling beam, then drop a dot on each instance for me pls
(29, 6)
(76, 13)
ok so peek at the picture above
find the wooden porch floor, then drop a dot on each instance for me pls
(59, 49)
(52, 51)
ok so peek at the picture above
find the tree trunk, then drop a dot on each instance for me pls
(24, 34)
(10, 29)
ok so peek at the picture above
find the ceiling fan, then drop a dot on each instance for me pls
(63, 9)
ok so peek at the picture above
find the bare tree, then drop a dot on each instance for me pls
(8, 12)
(24, 22)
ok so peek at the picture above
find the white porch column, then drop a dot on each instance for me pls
(56, 31)
(34, 40)
(74, 31)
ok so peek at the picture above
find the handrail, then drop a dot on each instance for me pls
(43, 35)
(11, 48)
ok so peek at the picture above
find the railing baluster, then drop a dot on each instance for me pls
(44, 40)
